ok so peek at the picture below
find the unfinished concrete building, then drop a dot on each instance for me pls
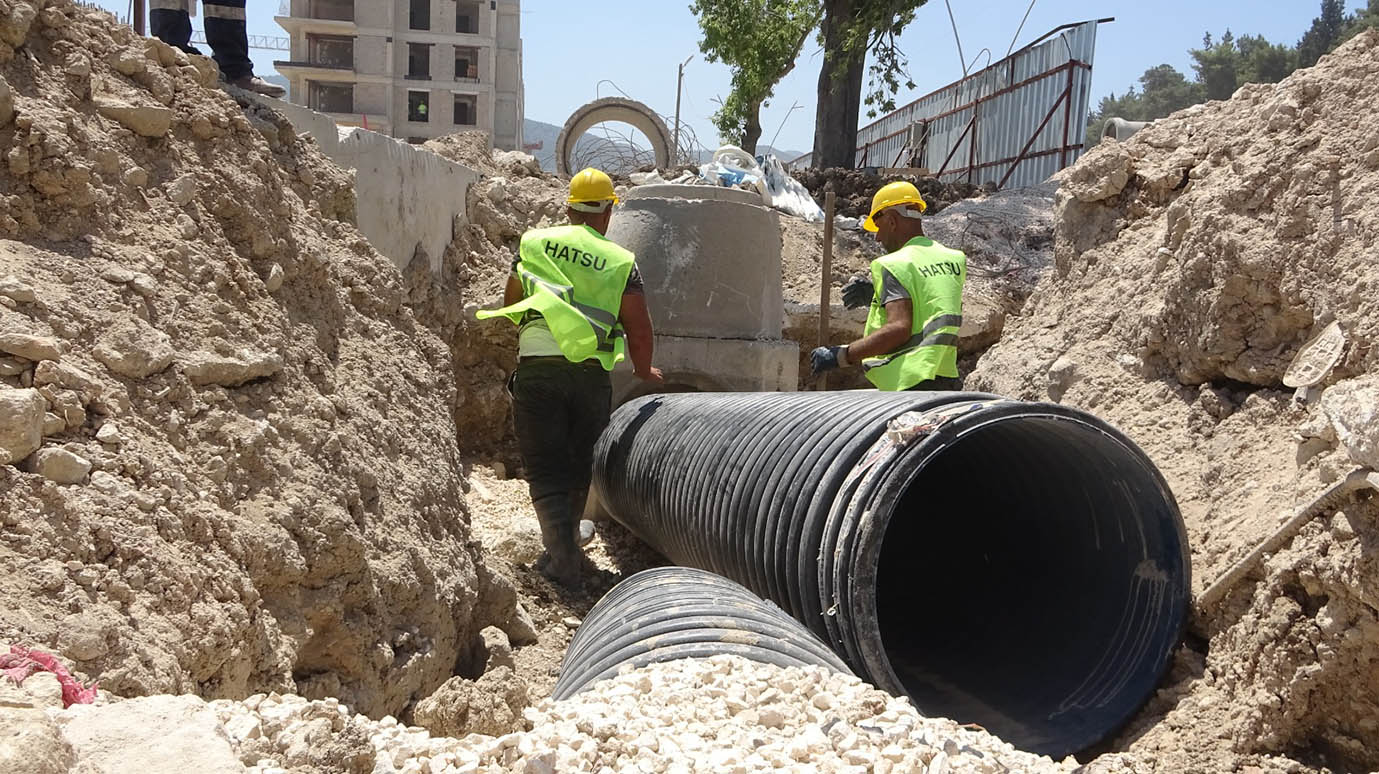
(414, 69)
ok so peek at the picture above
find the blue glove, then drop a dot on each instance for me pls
(858, 292)
(826, 359)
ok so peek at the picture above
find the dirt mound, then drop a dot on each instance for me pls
(475, 150)
(1191, 264)
(248, 478)
(855, 189)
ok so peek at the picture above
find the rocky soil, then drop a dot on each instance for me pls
(855, 188)
(260, 484)
(1191, 264)
(746, 717)
(218, 414)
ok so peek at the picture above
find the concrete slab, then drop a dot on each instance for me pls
(407, 197)
(320, 126)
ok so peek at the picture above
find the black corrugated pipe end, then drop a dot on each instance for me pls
(1022, 566)
(669, 613)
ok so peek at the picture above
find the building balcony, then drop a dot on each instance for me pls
(305, 24)
(317, 69)
(314, 65)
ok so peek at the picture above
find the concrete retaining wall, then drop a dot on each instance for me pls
(320, 126)
(407, 197)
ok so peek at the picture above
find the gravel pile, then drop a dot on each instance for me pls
(722, 714)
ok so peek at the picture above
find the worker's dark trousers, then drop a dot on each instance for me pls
(939, 384)
(226, 32)
(559, 409)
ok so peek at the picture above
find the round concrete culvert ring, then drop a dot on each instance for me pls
(710, 258)
(616, 109)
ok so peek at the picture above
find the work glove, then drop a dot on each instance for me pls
(858, 292)
(827, 358)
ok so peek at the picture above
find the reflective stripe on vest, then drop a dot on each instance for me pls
(574, 278)
(929, 337)
(934, 276)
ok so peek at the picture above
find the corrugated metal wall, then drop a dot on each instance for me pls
(979, 126)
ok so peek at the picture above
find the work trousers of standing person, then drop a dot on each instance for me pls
(226, 32)
(559, 409)
(938, 384)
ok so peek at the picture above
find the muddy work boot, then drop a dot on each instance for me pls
(563, 562)
(259, 86)
(586, 527)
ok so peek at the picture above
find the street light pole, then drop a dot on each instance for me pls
(679, 82)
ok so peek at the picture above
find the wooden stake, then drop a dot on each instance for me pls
(826, 282)
(139, 17)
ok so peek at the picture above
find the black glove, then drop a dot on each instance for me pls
(858, 292)
(826, 359)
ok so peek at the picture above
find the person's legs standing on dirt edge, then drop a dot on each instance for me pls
(227, 33)
(170, 22)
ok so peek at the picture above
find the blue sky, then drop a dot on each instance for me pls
(576, 52)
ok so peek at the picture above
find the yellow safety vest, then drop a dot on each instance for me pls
(933, 275)
(574, 278)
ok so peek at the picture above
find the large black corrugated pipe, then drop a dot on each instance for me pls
(1018, 565)
(679, 612)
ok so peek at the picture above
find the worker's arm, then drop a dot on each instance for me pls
(889, 337)
(513, 292)
(886, 339)
(636, 322)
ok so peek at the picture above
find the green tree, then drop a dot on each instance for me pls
(1264, 62)
(1325, 33)
(1217, 66)
(759, 41)
(849, 30)
(1233, 62)
(1223, 66)
(1163, 90)
(1364, 19)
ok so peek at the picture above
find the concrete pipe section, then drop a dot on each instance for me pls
(711, 260)
(1022, 566)
(1120, 129)
(615, 109)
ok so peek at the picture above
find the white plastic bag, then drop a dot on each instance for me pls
(731, 167)
(787, 194)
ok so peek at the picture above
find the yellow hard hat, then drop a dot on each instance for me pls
(591, 185)
(890, 195)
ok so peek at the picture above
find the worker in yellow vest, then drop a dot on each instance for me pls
(915, 292)
(579, 303)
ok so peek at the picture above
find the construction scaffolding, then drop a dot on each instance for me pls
(1012, 124)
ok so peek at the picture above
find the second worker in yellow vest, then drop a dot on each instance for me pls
(579, 302)
(915, 293)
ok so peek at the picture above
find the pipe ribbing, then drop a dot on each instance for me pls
(1021, 566)
(670, 613)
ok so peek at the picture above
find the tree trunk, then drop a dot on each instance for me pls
(751, 133)
(840, 92)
